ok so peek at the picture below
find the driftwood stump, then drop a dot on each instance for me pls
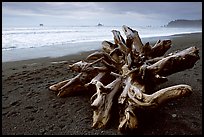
(123, 73)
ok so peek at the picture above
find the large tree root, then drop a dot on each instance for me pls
(127, 68)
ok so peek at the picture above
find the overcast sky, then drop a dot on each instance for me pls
(91, 13)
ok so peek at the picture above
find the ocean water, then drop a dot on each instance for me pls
(24, 40)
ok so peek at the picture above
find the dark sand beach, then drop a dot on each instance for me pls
(30, 108)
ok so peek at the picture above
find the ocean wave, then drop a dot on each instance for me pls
(41, 32)
(7, 48)
(59, 44)
(28, 38)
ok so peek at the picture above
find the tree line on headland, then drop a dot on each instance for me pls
(185, 23)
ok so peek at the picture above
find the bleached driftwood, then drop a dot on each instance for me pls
(123, 72)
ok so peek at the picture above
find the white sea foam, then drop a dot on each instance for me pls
(14, 39)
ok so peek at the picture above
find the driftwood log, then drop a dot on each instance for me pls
(125, 72)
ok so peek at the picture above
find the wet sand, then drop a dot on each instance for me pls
(29, 108)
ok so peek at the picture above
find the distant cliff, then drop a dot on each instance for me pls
(185, 23)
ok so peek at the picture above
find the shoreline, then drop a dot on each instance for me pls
(30, 108)
(47, 51)
(58, 51)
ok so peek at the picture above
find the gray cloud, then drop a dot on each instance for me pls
(107, 12)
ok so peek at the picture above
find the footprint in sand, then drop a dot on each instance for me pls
(199, 80)
(32, 94)
(15, 103)
(62, 126)
(24, 66)
(31, 108)
(13, 113)
(29, 119)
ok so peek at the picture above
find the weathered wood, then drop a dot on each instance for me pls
(128, 69)
(102, 104)
(160, 48)
(134, 99)
(133, 34)
(179, 61)
(108, 46)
